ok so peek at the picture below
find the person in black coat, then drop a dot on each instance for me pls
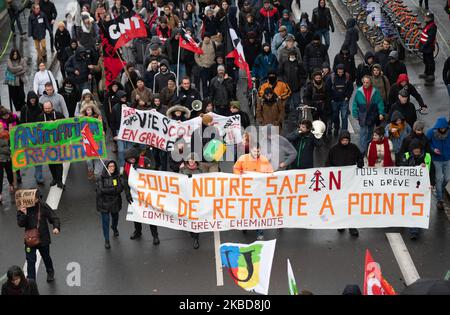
(293, 73)
(394, 67)
(345, 153)
(38, 25)
(364, 67)
(252, 48)
(417, 133)
(49, 9)
(303, 37)
(446, 75)
(403, 84)
(405, 107)
(36, 217)
(71, 95)
(428, 47)
(351, 37)
(17, 284)
(186, 95)
(322, 21)
(382, 56)
(304, 142)
(315, 55)
(62, 41)
(32, 111)
(109, 200)
(345, 58)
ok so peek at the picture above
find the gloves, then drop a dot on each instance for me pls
(130, 200)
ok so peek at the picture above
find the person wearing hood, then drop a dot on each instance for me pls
(269, 109)
(69, 51)
(397, 131)
(439, 137)
(345, 58)
(251, 25)
(382, 55)
(78, 68)
(427, 48)
(417, 156)
(405, 107)
(323, 22)
(38, 24)
(156, 104)
(245, 11)
(394, 67)
(368, 109)
(293, 73)
(287, 22)
(109, 200)
(163, 76)
(283, 53)
(403, 84)
(87, 98)
(416, 134)
(221, 90)
(316, 54)
(263, 63)
(18, 284)
(41, 78)
(280, 88)
(50, 95)
(178, 113)
(304, 142)
(351, 37)
(303, 37)
(363, 68)
(71, 95)
(210, 22)
(87, 33)
(381, 150)
(345, 153)
(340, 89)
(381, 83)
(186, 94)
(268, 17)
(62, 41)
(111, 99)
(252, 48)
(141, 96)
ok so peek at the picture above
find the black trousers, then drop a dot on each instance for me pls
(430, 65)
(153, 229)
(195, 236)
(57, 172)
(17, 95)
(30, 254)
(7, 166)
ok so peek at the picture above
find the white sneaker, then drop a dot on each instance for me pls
(121, 170)
(260, 238)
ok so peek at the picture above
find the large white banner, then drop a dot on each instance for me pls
(320, 198)
(152, 128)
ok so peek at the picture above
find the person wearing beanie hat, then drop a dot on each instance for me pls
(62, 41)
(403, 83)
(323, 22)
(235, 109)
(221, 91)
(303, 36)
(418, 134)
(394, 67)
(279, 40)
(405, 107)
(316, 54)
(427, 48)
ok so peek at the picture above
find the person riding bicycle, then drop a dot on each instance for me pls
(280, 88)
(403, 83)
(316, 95)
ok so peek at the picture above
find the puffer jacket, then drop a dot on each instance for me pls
(109, 189)
(268, 19)
(221, 92)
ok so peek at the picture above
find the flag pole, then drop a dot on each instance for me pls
(125, 68)
(219, 272)
(178, 70)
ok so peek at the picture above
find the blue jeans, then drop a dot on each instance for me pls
(442, 177)
(448, 90)
(365, 135)
(38, 173)
(122, 146)
(326, 36)
(30, 253)
(342, 108)
(105, 223)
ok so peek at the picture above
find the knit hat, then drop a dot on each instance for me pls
(206, 119)
(418, 125)
(154, 46)
(282, 29)
(303, 23)
(236, 104)
(393, 55)
(403, 92)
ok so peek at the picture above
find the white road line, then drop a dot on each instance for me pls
(350, 127)
(219, 271)
(403, 258)
(55, 193)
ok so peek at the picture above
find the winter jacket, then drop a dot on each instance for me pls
(364, 68)
(207, 59)
(294, 74)
(139, 46)
(288, 23)
(38, 26)
(251, 52)
(59, 104)
(304, 143)
(339, 87)
(26, 287)
(42, 77)
(11, 121)
(77, 62)
(430, 44)
(397, 142)
(422, 139)
(51, 117)
(382, 58)
(278, 150)
(269, 112)
(367, 114)
(146, 95)
(315, 56)
(410, 160)
(211, 25)
(303, 40)
(440, 141)
(246, 163)
(268, 19)
(317, 97)
(19, 69)
(71, 97)
(344, 155)
(88, 39)
(30, 113)
(109, 190)
(162, 78)
(186, 97)
(407, 110)
(62, 41)
(395, 89)
(30, 220)
(349, 65)
(283, 54)
(278, 42)
(321, 18)
(446, 72)
(49, 9)
(254, 27)
(394, 69)
(166, 96)
(281, 89)
(221, 92)
(351, 36)
(381, 82)
(263, 63)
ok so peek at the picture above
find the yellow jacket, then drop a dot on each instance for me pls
(282, 90)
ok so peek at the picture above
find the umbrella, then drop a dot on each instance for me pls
(428, 287)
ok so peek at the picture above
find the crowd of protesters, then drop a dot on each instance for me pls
(289, 61)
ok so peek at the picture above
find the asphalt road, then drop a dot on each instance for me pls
(323, 261)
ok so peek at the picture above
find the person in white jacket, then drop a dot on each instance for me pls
(41, 77)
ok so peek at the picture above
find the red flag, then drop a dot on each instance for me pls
(188, 43)
(121, 30)
(112, 66)
(374, 283)
(89, 144)
(238, 54)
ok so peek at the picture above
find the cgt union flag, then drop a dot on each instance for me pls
(123, 29)
(89, 144)
(236, 51)
(188, 43)
(374, 283)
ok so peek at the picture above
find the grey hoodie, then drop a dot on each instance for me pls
(59, 104)
(277, 149)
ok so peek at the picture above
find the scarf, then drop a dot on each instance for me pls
(368, 95)
(373, 155)
(399, 130)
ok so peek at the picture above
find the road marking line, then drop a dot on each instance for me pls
(350, 127)
(55, 193)
(219, 271)
(403, 258)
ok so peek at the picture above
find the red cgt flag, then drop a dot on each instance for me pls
(374, 283)
(89, 144)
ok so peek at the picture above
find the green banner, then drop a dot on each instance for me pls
(54, 142)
